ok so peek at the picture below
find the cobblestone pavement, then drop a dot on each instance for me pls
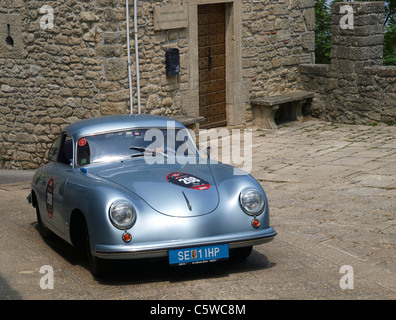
(331, 190)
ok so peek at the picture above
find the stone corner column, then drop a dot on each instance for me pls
(357, 35)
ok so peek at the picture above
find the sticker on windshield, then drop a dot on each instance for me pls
(187, 181)
(82, 142)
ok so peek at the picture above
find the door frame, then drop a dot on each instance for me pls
(237, 90)
(212, 81)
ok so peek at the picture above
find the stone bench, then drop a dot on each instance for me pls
(264, 109)
(190, 122)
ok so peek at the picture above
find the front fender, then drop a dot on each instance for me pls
(93, 197)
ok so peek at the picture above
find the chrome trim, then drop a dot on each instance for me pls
(188, 202)
(141, 253)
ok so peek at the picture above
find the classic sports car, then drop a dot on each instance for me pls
(134, 186)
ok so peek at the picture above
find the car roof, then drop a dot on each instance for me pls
(119, 123)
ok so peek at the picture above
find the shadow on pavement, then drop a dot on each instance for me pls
(156, 270)
(7, 292)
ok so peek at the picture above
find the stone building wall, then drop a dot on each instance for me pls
(355, 88)
(278, 36)
(77, 69)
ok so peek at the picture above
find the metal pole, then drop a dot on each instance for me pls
(137, 54)
(129, 59)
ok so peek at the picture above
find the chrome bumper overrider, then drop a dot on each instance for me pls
(160, 249)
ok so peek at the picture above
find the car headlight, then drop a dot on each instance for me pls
(252, 202)
(122, 215)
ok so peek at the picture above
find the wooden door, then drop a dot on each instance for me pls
(211, 55)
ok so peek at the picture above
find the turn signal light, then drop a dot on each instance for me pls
(255, 223)
(127, 237)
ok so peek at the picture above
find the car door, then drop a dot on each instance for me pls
(55, 180)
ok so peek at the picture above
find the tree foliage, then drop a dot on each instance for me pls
(323, 31)
(390, 33)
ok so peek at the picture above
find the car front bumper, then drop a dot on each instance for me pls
(161, 249)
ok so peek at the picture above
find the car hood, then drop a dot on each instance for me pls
(174, 190)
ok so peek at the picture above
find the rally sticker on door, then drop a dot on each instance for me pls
(187, 181)
(50, 197)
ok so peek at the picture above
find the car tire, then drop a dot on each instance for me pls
(241, 253)
(97, 265)
(42, 228)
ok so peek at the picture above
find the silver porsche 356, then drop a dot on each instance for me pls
(131, 187)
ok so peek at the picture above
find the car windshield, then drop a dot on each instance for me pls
(117, 146)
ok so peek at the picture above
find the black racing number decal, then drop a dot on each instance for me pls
(187, 181)
(49, 195)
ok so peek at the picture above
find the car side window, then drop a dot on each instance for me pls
(66, 150)
(54, 150)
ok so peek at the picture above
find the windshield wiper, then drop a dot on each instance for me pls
(138, 148)
(142, 149)
(140, 154)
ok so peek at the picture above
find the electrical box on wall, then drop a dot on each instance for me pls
(172, 62)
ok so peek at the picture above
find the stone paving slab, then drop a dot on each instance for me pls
(345, 187)
(331, 191)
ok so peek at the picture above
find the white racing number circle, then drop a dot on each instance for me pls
(186, 180)
(49, 195)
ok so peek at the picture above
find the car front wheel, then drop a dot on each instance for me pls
(241, 253)
(96, 264)
(42, 228)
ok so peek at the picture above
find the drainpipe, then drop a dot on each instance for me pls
(137, 53)
(129, 59)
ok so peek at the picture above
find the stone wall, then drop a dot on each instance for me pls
(355, 88)
(77, 69)
(278, 36)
